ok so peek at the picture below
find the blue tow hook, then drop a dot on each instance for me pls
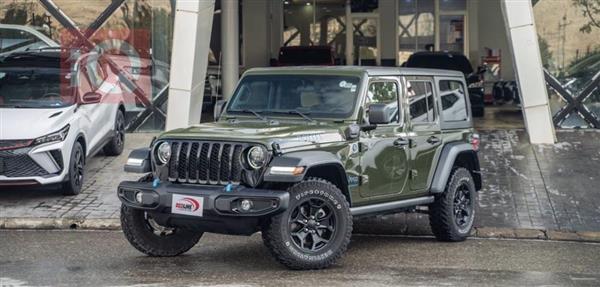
(155, 182)
(229, 187)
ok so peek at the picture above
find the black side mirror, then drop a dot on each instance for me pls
(91, 98)
(381, 114)
(219, 105)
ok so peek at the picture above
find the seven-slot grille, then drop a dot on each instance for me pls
(216, 163)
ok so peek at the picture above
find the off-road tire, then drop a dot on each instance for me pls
(117, 143)
(442, 214)
(277, 232)
(76, 175)
(144, 240)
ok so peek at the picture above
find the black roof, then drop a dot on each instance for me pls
(440, 60)
(49, 58)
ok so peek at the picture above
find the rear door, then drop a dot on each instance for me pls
(384, 163)
(425, 132)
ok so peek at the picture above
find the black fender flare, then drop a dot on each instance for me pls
(306, 159)
(448, 157)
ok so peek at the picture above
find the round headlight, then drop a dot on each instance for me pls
(163, 153)
(256, 157)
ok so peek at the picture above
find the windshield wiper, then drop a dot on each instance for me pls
(304, 115)
(257, 114)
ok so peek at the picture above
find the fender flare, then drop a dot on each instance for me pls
(448, 156)
(307, 159)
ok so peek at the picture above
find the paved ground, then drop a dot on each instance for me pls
(78, 258)
(553, 187)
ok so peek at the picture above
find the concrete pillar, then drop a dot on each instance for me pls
(276, 27)
(189, 59)
(256, 30)
(388, 21)
(230, 46)
(349, 31)
(523, 41)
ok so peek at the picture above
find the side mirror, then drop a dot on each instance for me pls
(219, 105)
(91, 98)
(381, 114)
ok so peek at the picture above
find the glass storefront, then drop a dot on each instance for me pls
(568, 37)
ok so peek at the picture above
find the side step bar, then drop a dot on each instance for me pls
(388, 206)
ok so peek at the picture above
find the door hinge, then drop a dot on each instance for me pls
(413, 173)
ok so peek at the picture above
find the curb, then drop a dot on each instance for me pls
(12, 223)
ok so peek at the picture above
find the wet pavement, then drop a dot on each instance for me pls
(549, 187)
(90, 258)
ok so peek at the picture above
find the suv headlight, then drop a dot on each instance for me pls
(58, 136)
(163, 153)
(256, 157)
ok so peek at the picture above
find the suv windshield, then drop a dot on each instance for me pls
(320, 96)
(34, 88)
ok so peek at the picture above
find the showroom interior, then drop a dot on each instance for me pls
(384, 33)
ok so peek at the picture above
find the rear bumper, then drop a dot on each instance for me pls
(221, 211)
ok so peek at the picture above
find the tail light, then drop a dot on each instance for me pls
(475, 141)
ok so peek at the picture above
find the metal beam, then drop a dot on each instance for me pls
(574, 103)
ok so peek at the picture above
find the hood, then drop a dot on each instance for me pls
(287, 135)
(21, 124)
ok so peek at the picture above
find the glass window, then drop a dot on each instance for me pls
(422, 102)
(416, 27)
(385, 92)
(453, 5)
(454, 104)
(315, 95)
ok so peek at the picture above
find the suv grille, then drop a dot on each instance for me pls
(18, 164)
(214, 163)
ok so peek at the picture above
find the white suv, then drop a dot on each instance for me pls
(55, 113)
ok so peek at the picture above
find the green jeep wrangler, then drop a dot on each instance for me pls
(298, 152)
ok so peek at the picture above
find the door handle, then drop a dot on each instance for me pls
(433, 140)
(401, 142)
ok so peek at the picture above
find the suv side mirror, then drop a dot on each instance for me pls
(219, 105)
(91, 98)
(380, 114)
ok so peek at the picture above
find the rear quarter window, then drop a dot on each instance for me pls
(454, 101)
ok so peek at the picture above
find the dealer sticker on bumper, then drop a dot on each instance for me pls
(187, 205)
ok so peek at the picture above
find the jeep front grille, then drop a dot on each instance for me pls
(215, 163)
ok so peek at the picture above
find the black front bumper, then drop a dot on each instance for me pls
(221, 209)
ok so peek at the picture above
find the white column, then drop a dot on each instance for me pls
(349, 31)
(230, 46)
(189, 59)
(523, 41)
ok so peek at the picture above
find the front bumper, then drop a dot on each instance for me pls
(221, 209)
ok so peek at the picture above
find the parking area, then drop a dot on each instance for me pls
(545, 187)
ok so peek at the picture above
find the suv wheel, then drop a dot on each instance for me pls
(76, 173)
(452, 214)
(314, 232)
(115, 146)
(152, 239)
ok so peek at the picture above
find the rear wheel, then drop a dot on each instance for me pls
(115, 146)
(76, 173)
(314, 232)
(452, 214)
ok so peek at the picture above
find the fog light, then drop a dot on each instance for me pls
(138, 197)
(246, 205)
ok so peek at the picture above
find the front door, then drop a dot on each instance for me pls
(384, 161)
(426, 136)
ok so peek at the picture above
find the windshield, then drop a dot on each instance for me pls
(316, 95)
(34, 88)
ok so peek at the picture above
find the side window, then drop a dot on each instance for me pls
(94, 73)
(422, 103)
(385, 92)
(454, 103)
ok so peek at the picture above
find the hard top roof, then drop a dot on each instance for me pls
(354, 71)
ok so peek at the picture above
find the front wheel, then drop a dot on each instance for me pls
(314, 232)
(74, 182)
(152, 239)
(452, 214)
